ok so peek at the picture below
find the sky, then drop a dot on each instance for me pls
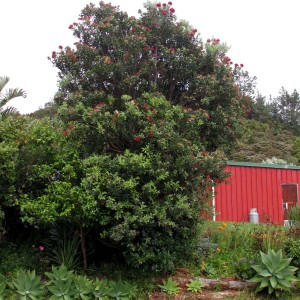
(263, 35)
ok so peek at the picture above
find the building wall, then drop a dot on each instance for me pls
(253, 187)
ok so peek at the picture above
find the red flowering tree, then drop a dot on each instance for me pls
(150, 109)
(120, 55)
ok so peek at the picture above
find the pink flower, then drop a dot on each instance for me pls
(158, 5)
(172, 10)
(164, 13)
(71, 26)
(41, 248)
(164, 5)
(170, 3)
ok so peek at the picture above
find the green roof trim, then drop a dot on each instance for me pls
(258, 165)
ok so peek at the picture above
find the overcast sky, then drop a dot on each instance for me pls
(263, 35)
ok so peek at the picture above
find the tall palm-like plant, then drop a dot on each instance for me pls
(8, 95)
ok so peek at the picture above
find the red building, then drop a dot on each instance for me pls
(269, 188)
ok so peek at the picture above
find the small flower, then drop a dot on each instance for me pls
(219, 249)
(203, 153)
(133, 29)
(241, 65)
(41, 248)
(66, 132)
(148, 29)
(158, 5)
(60, 47)
(150, 133)
(164, 13)
(137, 138)
(170, 3)
(208, 40)
(53, 54)
(126, 57)
(71, 26)
(164, 5)
(70, 127)
(172, 10)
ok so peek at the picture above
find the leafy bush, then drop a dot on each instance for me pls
(274, 273)
(292, 249)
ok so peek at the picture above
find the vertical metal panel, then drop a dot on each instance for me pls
(253, 187)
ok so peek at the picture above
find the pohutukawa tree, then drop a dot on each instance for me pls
(150, 109)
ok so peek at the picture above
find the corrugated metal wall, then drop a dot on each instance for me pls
(253, 187)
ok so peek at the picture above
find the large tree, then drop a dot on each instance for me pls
(150, 109)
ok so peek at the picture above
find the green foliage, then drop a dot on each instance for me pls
(121, 290)
(194, 286)
(274, 273)
(83, 288)
(3, 290)
(63, 245)
(60, 284)
(294, 215)
(169, 286)
(292, 248)
(27, 285)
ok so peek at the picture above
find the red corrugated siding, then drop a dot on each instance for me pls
(253, 187)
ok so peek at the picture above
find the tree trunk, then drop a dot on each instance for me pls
(83, 246)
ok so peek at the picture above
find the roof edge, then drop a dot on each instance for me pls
(260, 165)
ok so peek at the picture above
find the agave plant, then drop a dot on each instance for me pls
(274, 273)
(27, 285)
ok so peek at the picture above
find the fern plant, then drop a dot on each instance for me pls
(274, 273)
(27, 285)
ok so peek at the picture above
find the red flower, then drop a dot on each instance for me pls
(203, 153)
(170, 3)
(158, 5)
(164, 13)
(137, 138)
(100, 104)
(241, 65)
(133, 29)
(60, 47)
(172, 10)
(116, 114)
(156, 24)
(66, 132)
(164, 4)
(236, 65)
(70, 127)
(148, 29)
(71, 26)
(146, 106)
(150, 133)
(208, 41)
(126, 57)
(53, 54)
